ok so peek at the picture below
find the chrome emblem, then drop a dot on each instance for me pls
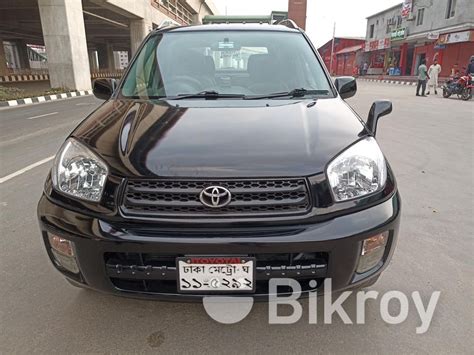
(215, 196)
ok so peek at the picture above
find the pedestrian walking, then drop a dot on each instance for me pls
(433, 72)
(422, 78)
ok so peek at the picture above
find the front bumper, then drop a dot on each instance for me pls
(337, 242)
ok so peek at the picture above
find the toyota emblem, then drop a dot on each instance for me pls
(215, 196)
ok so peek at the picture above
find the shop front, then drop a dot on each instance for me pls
(454, 51)
(349, 61)
(378, 51)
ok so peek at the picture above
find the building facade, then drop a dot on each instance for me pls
(84, 37)
(400, 37)
(345, 54)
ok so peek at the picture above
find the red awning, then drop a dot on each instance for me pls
(350, 49)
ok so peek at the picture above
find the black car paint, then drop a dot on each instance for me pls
(217, 139)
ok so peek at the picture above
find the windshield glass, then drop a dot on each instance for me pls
(225, 62)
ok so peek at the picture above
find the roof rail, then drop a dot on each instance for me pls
(168, 23)
(288, 23)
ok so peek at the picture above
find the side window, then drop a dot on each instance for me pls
(451, 10)
(419, 17)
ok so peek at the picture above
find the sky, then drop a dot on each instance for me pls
(349, 15)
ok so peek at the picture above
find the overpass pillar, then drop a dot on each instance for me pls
(93, 61)
(3, 60)
(139, 29)
(64, 35)
(106, 56)
(22, 50)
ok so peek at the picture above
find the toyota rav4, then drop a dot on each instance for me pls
(224, 157)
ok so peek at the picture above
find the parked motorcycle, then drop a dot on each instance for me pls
(460, 86)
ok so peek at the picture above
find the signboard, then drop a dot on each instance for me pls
(406, 8)
(432, 35)
(377, 44)
(455, 37)
(398, 34)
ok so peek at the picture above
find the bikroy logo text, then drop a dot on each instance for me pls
(230, 310)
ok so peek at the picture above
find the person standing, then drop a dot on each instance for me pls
(470, 66)
(422, 78)
(433, 73)
(365, 68)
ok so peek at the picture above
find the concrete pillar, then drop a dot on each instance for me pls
(22, 54)
(403, 58)
(139, 29)
(106, 56)
(64, 35)
(93, 61)
(3, 60)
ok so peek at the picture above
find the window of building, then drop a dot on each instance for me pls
(451, 10)
(419, 17)
(388, 27)
(399, 21)
(371, 31)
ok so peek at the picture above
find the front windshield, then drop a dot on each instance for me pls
(225, 62)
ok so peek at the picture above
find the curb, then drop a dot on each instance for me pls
(396, 82)
(31, 100)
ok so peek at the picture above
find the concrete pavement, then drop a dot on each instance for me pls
(429, 144)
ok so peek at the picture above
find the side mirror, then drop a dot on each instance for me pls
(104, 88)
(379, 109)
(346, 86)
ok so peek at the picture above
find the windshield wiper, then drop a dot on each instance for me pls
(206, 95)
(293, 93)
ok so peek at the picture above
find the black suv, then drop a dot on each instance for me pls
(225, 157)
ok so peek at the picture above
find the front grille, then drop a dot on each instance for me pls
(156, 273)
(175, 198)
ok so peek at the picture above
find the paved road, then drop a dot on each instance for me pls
(429, 144)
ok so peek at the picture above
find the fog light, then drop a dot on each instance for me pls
(61, 245)
(372, 252)
(63, 252)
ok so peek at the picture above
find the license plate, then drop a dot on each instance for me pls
(215, 274)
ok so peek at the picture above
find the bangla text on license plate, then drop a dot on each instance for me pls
(203, 274)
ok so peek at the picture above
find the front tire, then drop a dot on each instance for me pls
(446, 93)
(466, 94)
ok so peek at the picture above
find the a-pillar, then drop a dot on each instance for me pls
(3, 60)
(139, 29)
(64, 36)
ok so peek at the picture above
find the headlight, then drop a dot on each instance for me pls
(79, 172)
(358, 171)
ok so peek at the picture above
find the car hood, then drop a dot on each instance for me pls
(150, 139)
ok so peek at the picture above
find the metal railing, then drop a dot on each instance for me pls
(175, 10)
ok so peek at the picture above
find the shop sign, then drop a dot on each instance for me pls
(406, 8)
(433, 35)
(455, 37)
(377, 44)
(398, 34)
